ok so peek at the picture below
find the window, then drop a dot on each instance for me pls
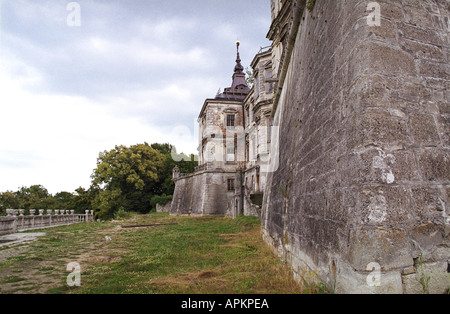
(230, 120)
(269, 131)
(230, 153)
(247, 151)
(230, 184)
(230, 150)
(268, 86)
(254, 148)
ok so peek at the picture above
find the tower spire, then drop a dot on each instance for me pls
(238, 68)
(239, 88)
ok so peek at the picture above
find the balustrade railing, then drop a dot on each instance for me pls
(16, 221)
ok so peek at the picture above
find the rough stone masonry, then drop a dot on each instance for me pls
(360, 196)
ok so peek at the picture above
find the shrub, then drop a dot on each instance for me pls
(122, 214)
(160, 199)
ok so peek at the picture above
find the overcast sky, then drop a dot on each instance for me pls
(134, 71)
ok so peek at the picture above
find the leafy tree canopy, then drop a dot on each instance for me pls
(126, 177)
(38, 197)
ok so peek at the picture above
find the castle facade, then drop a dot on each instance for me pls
(234, 147)
(346, 132)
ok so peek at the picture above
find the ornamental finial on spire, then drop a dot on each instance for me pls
(238, 68)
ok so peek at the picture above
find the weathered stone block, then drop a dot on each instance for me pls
(428, 278)
(428, 204)
(383, 205)
(388, 247)
(385, 31)
(423, 129)
(8, 225)
(426, 238)
(390, 61)
(414, 94)
(434, 165)
(335, 211)
(434, 69)
(405, 168)
(423, 51)
(392, 10)
(425, 35)
(378, 128)
(350, 281)
(444, 108)
(372, 91)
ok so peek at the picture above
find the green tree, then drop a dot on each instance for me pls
(63, 200)
(8, 200)
(35, 196)
(186, 164)
(83, 199)
(126, 178)
(164, 149)
(249, 78)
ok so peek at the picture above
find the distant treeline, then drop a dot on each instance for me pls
(37, 197)
(126, 178)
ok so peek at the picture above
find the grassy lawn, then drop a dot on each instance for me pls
(183, 255)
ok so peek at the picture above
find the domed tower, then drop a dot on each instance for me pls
(220, 119)
(239, 88)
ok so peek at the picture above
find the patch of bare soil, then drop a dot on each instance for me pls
(12, 252)
(33, 274)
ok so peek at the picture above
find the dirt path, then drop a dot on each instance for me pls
(39, 266)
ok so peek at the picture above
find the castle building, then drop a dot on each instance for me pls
(345, 132)
(259, 128)
(234, 133)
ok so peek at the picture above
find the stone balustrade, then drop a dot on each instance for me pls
(17, 221)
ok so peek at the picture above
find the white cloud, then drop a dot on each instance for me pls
(132, 73)
(165, 30)
(38, 12)
(23, 73)
(54, 140)
(139, 54)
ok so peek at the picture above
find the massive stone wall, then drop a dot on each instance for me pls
(361, 188)
(204, 193)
